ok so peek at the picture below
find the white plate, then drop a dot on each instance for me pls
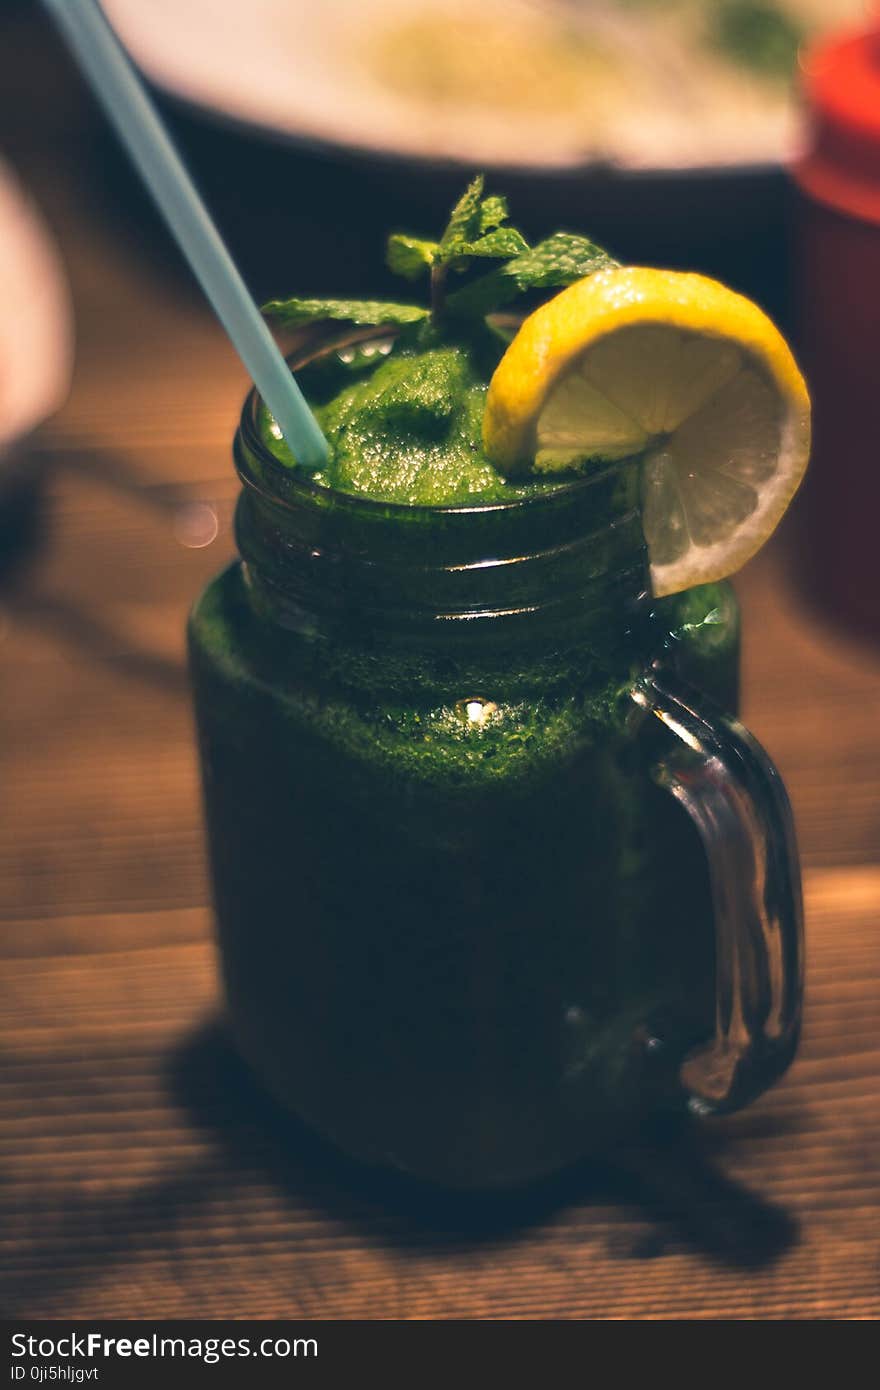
(36, 324)
(312, 70)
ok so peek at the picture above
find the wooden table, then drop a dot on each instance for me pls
(142, 1176)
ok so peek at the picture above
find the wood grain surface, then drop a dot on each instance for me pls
(142, 1174)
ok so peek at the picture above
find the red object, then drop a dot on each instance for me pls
(838, 295)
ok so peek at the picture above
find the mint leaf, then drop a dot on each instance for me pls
(493, 211)
(504, 242)
(464, 221)
(409, 256)
(560, 260)
(290, 312)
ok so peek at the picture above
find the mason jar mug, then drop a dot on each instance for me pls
(496, 870)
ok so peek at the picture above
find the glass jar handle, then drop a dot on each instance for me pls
(735, 797)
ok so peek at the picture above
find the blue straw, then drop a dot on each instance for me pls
(122, 94)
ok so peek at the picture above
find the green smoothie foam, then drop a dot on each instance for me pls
(407, 429)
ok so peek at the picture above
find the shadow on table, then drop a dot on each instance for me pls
(72, 625)
(660, 1194)
(22, 512)
(26, 528)
(667, 1178)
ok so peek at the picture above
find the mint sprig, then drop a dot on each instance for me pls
(560, 260)
(477, 230)
(473, 232)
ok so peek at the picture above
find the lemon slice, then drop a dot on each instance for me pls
(675, 368)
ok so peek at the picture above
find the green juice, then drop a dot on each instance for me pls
(463, 932)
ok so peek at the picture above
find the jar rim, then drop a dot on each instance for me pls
(293, 486)
(576, 547)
